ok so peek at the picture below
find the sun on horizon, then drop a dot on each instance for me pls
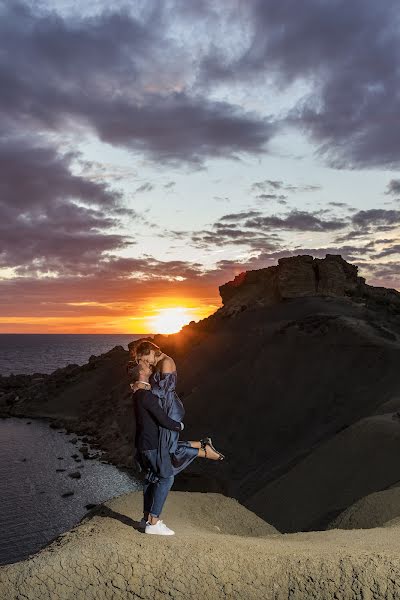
(169, 320)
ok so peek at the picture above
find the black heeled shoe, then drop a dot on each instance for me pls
(207, 442)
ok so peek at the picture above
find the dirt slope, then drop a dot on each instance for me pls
(220, 550)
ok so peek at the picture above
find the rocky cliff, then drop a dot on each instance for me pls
(297, 277)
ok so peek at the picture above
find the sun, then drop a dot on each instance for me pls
(169, 320)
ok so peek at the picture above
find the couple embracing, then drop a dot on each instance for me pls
(159, 419)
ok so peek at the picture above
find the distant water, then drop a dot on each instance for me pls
(32, 510)
(43, 353)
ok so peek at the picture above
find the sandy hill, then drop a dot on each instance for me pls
(296, 379)
(220, 550)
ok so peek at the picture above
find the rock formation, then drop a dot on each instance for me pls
(296, 277)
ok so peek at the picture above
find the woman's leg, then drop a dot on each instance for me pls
(211, 454)
(195, 444)
(161, 489)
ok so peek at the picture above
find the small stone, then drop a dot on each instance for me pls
(66, 494)
(75, 475)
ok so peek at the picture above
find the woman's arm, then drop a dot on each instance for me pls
(167, 380)
(164, 384)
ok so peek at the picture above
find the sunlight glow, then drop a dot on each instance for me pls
(170, 320)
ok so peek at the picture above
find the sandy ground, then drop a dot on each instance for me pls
(220, 550)
(373, 510)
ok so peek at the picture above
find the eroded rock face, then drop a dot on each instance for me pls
(251, 287)
(296, 276)
(299, 276)
(335, 276)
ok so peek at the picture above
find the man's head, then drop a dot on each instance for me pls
(140, 372)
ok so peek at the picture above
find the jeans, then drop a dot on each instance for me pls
(155, 494)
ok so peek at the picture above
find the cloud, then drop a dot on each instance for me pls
(296, 220)
(120, 77)
(380, 218)
(277, 185)
(52, 220)
(393, 187)
(339, 204)
(240, 216)
(280, 198)
(342, 54)
(389, 251)
(145, 187)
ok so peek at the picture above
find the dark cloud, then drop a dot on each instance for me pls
(277, 185)
(240, 216)
(339, 204)
(111, 74)
(296, 220)
(52, 220)
(393, 187)
(389, 251)
(344, 52)
(351, 235)
(145, 187)
(384, 274)
(280, 198)
(382, 219)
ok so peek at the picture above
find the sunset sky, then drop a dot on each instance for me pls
(151, 151)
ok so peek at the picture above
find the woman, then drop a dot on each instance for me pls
(163, 383)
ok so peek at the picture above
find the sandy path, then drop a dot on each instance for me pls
(220, 550)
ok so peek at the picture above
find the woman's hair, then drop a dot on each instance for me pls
(145, 347)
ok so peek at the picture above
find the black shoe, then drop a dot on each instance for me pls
(207, 442)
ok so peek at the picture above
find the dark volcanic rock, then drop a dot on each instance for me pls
(297, 277)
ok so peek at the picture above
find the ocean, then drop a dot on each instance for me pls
(32, 509)
(44, 353)
(35, 466)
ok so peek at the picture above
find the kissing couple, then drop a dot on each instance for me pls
(159, 417)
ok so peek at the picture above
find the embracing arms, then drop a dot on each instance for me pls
(152, 406)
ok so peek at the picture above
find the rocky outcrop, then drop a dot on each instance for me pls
(296, 277)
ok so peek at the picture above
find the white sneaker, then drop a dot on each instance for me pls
(159, 528)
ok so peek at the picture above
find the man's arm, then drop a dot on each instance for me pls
(151, 404)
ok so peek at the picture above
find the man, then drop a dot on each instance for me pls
(159, 476)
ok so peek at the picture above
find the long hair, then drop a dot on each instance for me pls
(144, 348)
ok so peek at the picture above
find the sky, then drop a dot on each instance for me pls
(151, 151)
